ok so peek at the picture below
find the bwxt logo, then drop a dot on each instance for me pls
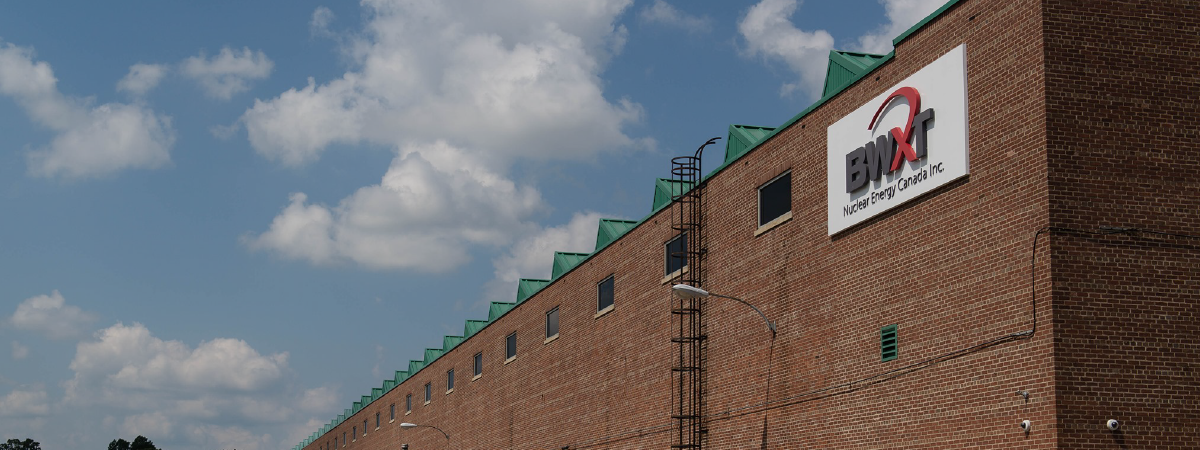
(884, 155)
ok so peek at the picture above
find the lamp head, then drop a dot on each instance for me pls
(686, 291)
(408, 425)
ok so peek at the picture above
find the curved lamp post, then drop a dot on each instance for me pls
(413, 425)
(686, 291)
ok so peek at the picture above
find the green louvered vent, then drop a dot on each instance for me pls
(564, 262)
(887, 343)
(611, 229)
(666, 190)
(527, 287)
(742, 138)
(845, 67)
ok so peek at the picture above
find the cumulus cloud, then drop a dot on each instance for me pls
(432, 204)
(770, 34)
(142, 78)
(50, 316)
(511, 80)
(19, 351)
(25, 403)
(91, 141)
(189, 395)
(319, 24)
(228, 73)
(662, 12)
(532, 256)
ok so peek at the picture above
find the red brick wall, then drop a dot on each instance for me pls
(952, 269)
(1123, 103)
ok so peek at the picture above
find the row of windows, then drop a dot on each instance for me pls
(774, 202)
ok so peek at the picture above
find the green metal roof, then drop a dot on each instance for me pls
(666, 190)
(498, 309)
(449, 342)
(611, 229)
(564, 262)
(743, 138)
(473, 326)
(527, 287)
(846, 67)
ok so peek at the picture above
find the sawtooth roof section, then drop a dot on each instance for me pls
(743, 138)
(666, 190)
(846, 68)
(565, 261)
(473, 326)
(449, 342)
(498, 309)
(611, 229)
(527, 287)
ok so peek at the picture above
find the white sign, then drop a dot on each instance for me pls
(909, 140)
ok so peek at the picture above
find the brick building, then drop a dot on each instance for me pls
(1049, 272)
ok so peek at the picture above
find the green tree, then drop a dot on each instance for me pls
(139, 443)
(118, 444)
(14, 444)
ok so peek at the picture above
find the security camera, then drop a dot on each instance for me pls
(1113, 424)
(1025, 425)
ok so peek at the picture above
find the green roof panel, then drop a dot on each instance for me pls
(666, 190)
(527, 287)
(743, 138)
(611, 229)
(846, 68)
(449, 342)
(564, 262)
(473, 326)
(498, 309)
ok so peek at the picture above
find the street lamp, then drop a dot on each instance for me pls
(413, 425)
(686, 291)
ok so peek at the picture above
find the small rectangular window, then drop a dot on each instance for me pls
(449, 380)
(354, 432)
(479, 364)
(775, 198)
(510, 346)
(604, 293)
(364, 427)
(393, 412)
(552, 323)
(343, 439)
(377, 421)
(887, 343)
(428, 392)
(676, 254)
(408, 403)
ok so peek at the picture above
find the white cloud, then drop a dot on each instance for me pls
(532, 256)
(228, 73)
(91, 141)
(185, 396)
(901, 14)
(432, 204)
(509, 80)
(19, 351)
(142, 78)
(49, 315)
(662, 12)
(770, 33)
(25, 403)
(321, 18)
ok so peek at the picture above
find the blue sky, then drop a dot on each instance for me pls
(224, 221)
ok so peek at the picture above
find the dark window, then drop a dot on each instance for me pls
(428, 392)
(552, 323)
(343, 439)
(510, 346)
(376, 421)
(774, 198)
(355, 433)
(393, 412)
(887, 343)
(450, 379)
(364, 427)
(408, 403)
(479, 364)
(604, 293)
(676, 255)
